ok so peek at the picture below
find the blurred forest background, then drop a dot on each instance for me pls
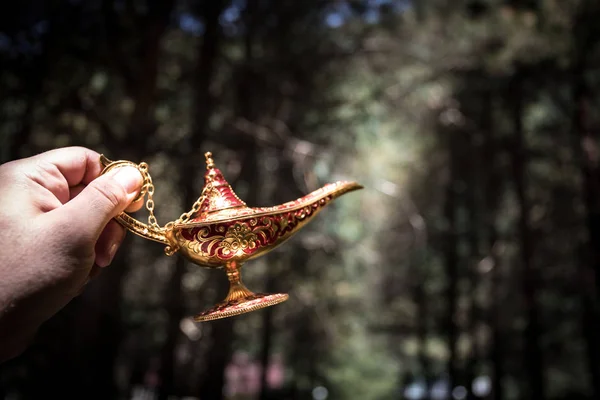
(468, 267)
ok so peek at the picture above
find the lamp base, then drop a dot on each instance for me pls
(239, 306)
(240, 299)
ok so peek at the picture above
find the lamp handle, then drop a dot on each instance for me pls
(147, 231)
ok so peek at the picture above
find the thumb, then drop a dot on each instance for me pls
(101, 200)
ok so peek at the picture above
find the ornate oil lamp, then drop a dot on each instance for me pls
(222, 232)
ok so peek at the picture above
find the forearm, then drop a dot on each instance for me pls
(23, 308)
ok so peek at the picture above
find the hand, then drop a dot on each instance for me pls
(56, 232)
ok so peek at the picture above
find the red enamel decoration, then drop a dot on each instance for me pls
(221, 231)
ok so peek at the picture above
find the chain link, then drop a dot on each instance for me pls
(148, 190)
(195, 207)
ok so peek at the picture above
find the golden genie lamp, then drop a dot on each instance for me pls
(222, 232)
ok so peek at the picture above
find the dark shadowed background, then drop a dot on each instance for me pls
(468, 267)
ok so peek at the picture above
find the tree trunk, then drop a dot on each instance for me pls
(533, 357)
(206, 62)
(451, 261)
(590, 265)
(102, 325)
(141, 122)
(267, 339)
(420, 298)
(34, 80)
(471, 203)
(286, 189)
(174, 300)
(492, 188)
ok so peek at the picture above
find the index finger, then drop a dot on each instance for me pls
(79, 165)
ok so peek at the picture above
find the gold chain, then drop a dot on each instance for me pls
(148, 189)
(195, 207)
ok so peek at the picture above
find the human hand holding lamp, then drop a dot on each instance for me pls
(222, 232)
(62, 219)
(57, 231)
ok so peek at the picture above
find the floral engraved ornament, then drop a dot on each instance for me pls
(238, 238)
(220, 231)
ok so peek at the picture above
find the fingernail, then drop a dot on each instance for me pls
(112, 251)
(130, 178)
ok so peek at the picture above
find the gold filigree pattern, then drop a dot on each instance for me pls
(221, 231)
(239, 237)
(245, 239)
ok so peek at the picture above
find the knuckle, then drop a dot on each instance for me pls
(47, 169)
(43, 173)
(49, 176)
